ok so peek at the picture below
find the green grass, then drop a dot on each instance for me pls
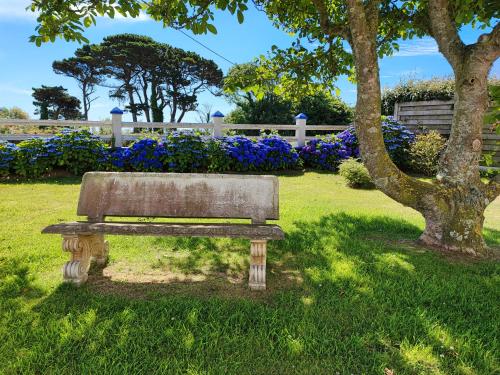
(349, 292)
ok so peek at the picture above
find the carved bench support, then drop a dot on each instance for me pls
(83, 248)
(257, 278)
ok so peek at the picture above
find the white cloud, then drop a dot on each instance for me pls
(417, 47)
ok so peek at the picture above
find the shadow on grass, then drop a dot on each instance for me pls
(66, 180)
(365, 299)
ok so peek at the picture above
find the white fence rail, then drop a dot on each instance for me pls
(123, 131)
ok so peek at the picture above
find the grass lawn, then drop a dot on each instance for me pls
(349, 292)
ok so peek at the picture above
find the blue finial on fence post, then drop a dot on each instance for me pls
(116, 121)
(217, 120)
(300, 132)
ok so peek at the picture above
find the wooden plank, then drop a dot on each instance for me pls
(327, 127)
(488, 147)
(258, 127)
(491, 136)
(166, 125)
(425, 112)
(427, 117)
(249, 231)
(428, 102)
(181, 195)
(427, 108)
(57, 123)
(412, 121)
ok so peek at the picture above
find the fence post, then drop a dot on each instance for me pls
(217, 120)
(116, 121)
(300, 131)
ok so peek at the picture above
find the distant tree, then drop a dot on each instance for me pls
(122, 57)
(51, 102)
(86, 69)
(269, 109)
(13, 113)
(205, 113)
(259, 102)
(324, 108)
(184, 75)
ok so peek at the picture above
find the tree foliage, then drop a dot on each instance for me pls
(54, 102)
(149, 76)
(86, 70)
(262, 97)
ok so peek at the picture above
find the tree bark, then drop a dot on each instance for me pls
(133, 109)
(453, 207)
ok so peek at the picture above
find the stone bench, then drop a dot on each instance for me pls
(170, 195)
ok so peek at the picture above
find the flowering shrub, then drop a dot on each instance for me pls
(77, 151)
(35, 157)
(218, 155)
(324, 153)
(7, 155)
(265, 154)
(397, 139)
(80, 151)
(185, 152)
(145, 155)
(116, 160)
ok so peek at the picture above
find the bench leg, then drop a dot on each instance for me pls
(100, 249)
(82, 248)
(257, 278)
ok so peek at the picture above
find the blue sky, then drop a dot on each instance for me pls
(23, 65)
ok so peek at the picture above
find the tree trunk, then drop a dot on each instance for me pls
(133, 109)
(86, 103)
(454, 220)
(458, 224)
(453, 207)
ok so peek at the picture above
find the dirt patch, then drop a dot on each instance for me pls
(151, 283)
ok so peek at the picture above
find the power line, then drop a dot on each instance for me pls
(204, 46)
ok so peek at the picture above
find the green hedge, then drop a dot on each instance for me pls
(419, 90)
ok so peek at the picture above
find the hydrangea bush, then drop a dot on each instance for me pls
(185, 151)
(325, 153)
(397, 138)
(35, 157)
(145, 155)
(80, 151)
(7, 156)
(77, 151)
(265, 154)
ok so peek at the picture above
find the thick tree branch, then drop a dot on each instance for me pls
(445, 33)
(329, 28)
(488, 45)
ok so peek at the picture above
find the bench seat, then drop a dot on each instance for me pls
(248, 231)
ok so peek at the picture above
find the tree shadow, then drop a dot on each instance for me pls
(364, 298)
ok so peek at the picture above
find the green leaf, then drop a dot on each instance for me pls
(87, 21)
(211, 28)
(240, 16)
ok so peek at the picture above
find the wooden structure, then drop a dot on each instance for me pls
(437, 115)
(170, 195)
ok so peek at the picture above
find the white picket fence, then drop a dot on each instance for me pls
(124, 131)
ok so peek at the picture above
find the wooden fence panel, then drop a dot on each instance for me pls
(437, 115)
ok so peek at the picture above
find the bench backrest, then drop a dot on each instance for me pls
(178, 195)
